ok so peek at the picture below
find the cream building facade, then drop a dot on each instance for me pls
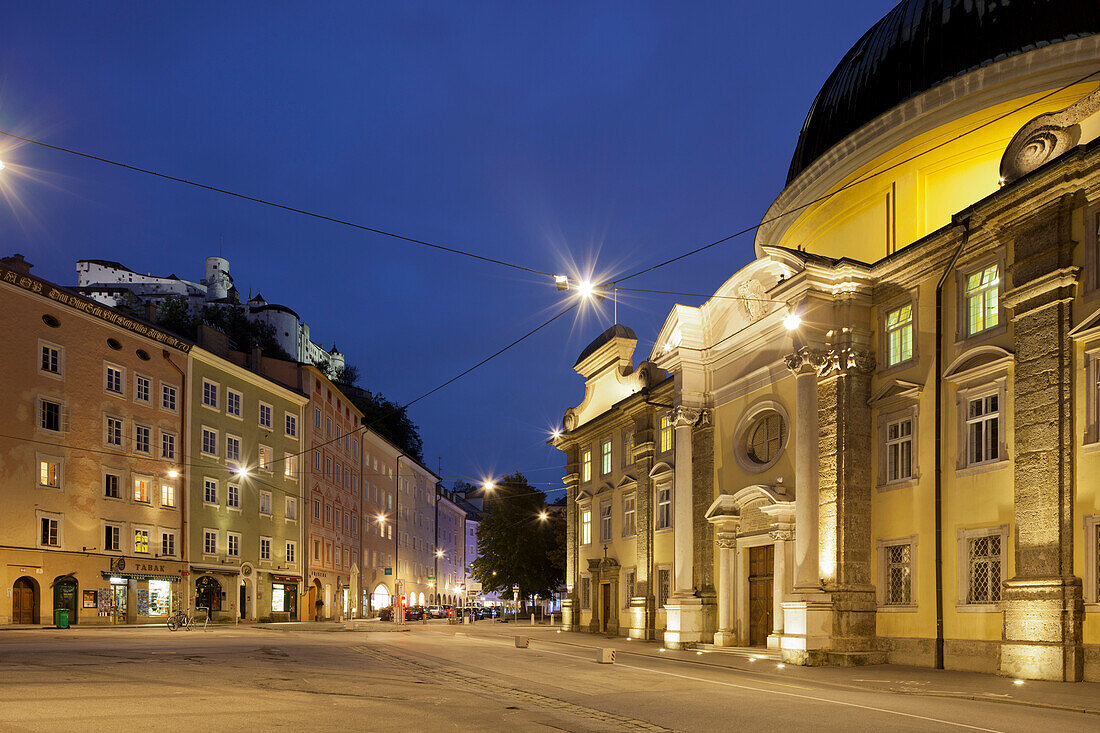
(379, 499)
(884, 424)
(415, 517)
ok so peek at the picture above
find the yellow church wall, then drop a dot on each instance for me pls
(924, 192)
(729, 417)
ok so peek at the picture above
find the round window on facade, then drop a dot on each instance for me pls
(142, 354)
(763, 440)
(51, 321)
(114, 344)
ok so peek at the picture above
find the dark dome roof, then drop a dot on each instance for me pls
(616, 331)
(922, 43)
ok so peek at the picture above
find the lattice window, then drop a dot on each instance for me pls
(628, 588)
(985, 569)
(586, 592)
(899, 575)
(664, 586)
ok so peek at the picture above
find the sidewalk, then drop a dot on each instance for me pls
(358, 624)
(1072, 696)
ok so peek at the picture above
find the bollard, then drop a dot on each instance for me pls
(522, 642)
(605, 656)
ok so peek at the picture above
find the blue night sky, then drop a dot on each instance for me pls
(603, 134)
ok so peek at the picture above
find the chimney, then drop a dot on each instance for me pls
(213, 340)
(17, 263)
(151, 311)
(257, 359)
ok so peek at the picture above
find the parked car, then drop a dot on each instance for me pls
(448, 610)
(436, 612)
(415, 613)
(386, 614)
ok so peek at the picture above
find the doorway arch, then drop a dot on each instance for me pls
(66, 590)
(380, 598)
(316, 600)
(208, 594)
(25, 601)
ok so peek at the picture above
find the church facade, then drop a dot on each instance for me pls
(882, 432)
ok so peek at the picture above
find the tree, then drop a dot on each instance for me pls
(387, 419)
(515, 546)
(175, 314)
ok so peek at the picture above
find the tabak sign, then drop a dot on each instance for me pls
(97, 310)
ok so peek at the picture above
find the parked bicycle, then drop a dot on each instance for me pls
(180, 620)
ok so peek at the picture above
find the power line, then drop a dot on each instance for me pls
(273, 204)
(845, 187)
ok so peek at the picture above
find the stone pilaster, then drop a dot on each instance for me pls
(1043, 609)
(844, 524)
(570, 604)
(643, 603)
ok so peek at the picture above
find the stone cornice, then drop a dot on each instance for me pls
(1048, 283)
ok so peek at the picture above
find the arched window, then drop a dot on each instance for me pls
(380, 598)
(765, 438)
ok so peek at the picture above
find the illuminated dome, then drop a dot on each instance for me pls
(921, 43)
(920, 111)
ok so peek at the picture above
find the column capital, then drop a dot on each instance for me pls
(726, 540)
(782, 535)
(686, 417)
(806, 360)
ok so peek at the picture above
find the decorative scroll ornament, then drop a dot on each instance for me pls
(754, 303)
(806, 360)
(782, 535)
(726, 543)
(1046, 137)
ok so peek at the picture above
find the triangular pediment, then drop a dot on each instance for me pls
(895, 389)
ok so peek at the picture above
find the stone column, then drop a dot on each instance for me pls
(1043, 608)
(684, 622)
(805, 363)
(727, 585)
(781, 537)
(570, 604)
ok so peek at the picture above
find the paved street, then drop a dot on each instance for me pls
(444, 677)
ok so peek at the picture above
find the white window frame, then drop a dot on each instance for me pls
(148, 450)
(175, 392)
(233, 496)
(172, 491)
(148, 388)
(117, 473)
(60, 373)
(627, 596)
(268, 466)
(216, 392)
(961, 307)
(207, 481)
(607, 520)
(911, 300)
(121, 392)
(240, 449)
(149, 486)
(119, 528)
(607, 463)
(48, 458)
(1092, 567)
(291, 515)
(586, 465)
(270, 416)
(202, 441)
(962, 434)
(265, 498)
(665, 485)
(291, 551)
(175, 445)
(134, 529)
(290, 425)
(632, 524)
(882, 593)
(237, 400)
(230, 551)
(58, 517)
(963, 537)
(207, 533)
(166, 533)
(910, 410)
(265, 539)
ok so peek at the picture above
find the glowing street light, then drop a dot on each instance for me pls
(792, 321)
(562, 282)
(382, 518)
(173, 473)
(439, 553)
(1, 165)
(242, 472)
(585, 289)
(544, 516)
(488, 486)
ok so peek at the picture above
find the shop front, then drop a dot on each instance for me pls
(214, 592)
(134, 592)
(283, 591)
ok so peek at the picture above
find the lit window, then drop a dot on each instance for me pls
(141, 490)
(628, 449)
(605, 457)
(49, 473)
(983, 419)
(210, 394)
(586, 466)
(664, 507)
(167, 495)
(232, 403)
(586, 526)
(665, 434)
(113, 379)
(899, 450)
(629, 515)
(898, 561)
(899, 335)
(267, 456)
(265, 416)
(982, 289)
(141, 540)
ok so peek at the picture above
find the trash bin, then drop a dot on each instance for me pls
(61, 618)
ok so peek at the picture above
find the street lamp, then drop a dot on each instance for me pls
(242, 471)
(792, 321)
(488, 486)
(439, 553)
(172, 473)
(544, 516)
